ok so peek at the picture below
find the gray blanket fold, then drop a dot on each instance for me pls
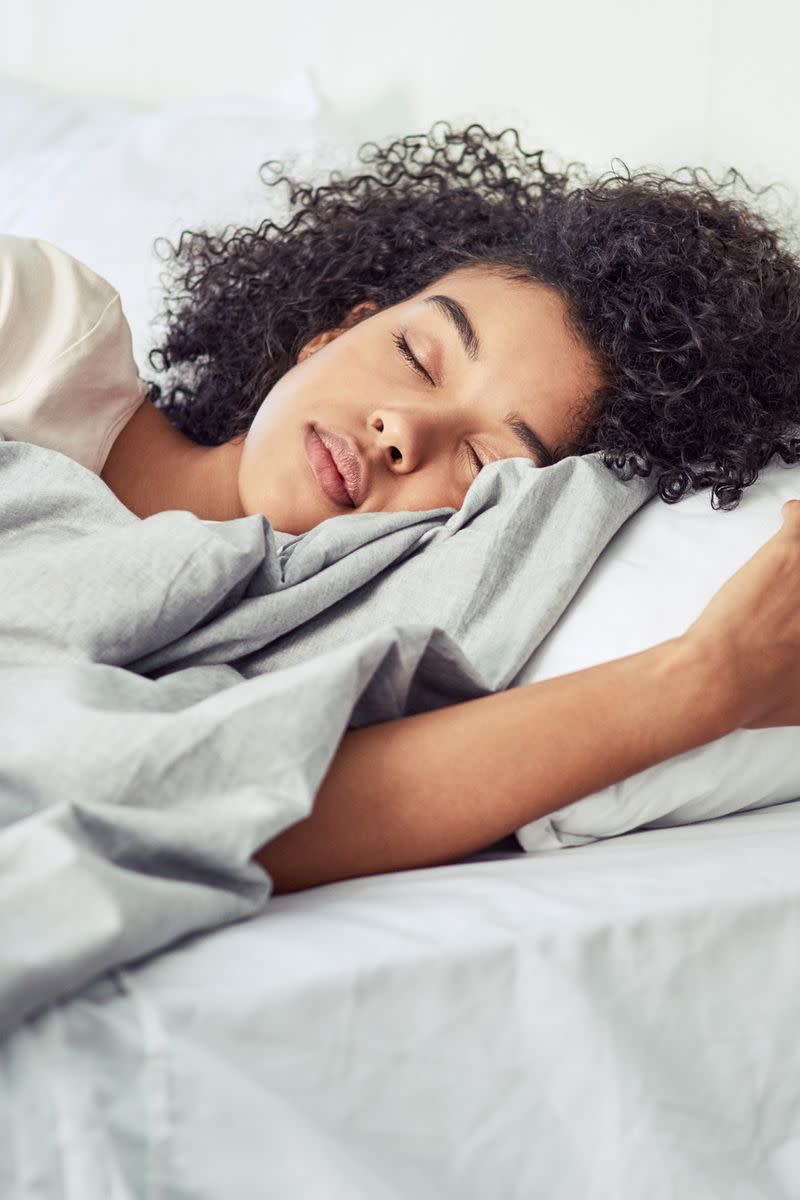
(174, 690)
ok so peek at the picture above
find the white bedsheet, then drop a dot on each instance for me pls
(616, 1021)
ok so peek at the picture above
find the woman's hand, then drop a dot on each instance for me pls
(752, 626)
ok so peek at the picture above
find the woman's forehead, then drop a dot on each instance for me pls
(511, 313)
(495, 297)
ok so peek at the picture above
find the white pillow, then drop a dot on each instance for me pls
(104, 180)
(651, 582)
(34, 118)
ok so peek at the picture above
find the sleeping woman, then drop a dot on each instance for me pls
(453, 303)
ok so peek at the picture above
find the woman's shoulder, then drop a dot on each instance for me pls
(68, 380)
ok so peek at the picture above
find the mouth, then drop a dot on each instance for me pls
(337, 466)
(331, 467)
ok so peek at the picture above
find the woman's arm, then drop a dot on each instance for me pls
(434, 787)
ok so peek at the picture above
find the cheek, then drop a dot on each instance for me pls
(285, 397)
(265, 447)
(279, 424)
(272, 467)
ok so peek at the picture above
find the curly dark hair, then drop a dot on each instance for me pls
(686, 298)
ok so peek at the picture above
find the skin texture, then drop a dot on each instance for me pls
(414, 434)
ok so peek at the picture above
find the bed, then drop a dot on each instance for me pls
(617, 1020)
(602, 1005)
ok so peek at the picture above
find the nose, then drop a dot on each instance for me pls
(404, 437)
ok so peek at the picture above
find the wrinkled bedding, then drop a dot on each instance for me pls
(173, 690)
(613, 1022)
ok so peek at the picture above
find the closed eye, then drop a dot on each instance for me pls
(472, 457)
(399, 340)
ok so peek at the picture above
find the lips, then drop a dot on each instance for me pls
(325, 471)
(337, 466)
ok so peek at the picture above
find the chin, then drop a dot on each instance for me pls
(281, 521)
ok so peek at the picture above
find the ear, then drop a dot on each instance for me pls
(359, 313)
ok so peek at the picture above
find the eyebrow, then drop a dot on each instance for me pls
(452, 309)
(531, 441)
(471, 343)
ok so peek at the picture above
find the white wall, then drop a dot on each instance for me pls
(701, 82)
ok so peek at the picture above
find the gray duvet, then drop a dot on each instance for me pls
(173, 690)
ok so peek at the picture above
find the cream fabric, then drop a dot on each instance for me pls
(68, 380)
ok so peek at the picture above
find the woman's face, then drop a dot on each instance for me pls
(488, 351)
